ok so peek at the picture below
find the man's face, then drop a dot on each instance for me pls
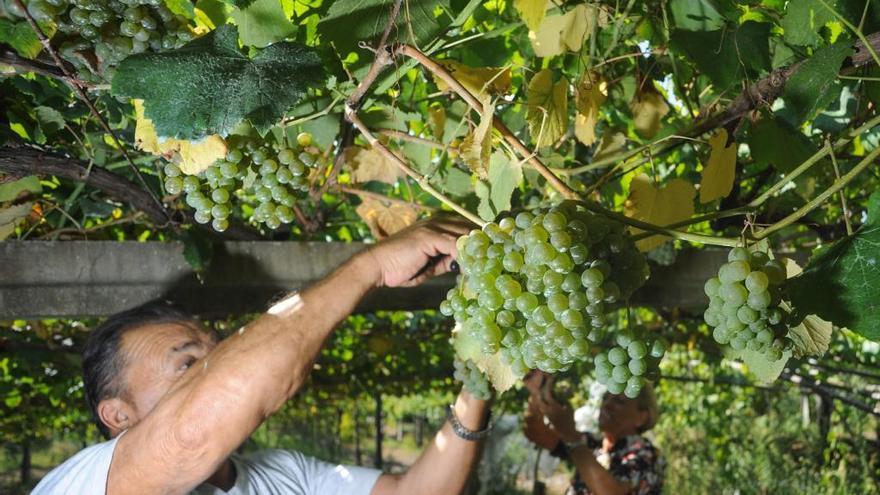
(155, 357)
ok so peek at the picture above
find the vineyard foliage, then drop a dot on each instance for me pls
(681, 124)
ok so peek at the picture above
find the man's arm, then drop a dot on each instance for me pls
(224, 397)
(446, 464)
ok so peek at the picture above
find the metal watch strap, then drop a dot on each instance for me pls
(583, 442)
(461, 431)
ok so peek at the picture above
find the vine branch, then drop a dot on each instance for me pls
(423, 182)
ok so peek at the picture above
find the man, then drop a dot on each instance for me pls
(176, 405)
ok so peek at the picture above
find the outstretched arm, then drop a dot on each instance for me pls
(225, 396)
(444, 467)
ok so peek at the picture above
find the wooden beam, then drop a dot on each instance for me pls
(97, 278)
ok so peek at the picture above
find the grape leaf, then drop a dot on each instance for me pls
(369, 164)
(764, 139)
(50, 119)
(561, 32)
(505, 175)
(10, 191)
(476, 146)
(726, 55)
(386, 219)
(765, 371)
(841, 283)
(9, 218)
(21, 37)
(437, 114)
(500, 375)
(208, 86)
(350, 21)
(803, 20)
(814, 85)
(661, 206)
(548, 108)
(648, 109)
(696, 15)
(198, 250)
(811, 337)
(479, 81)
(183, 8)
(531, 11)
(718, 175)
(262, 23)
(194, 156)
(592, 90)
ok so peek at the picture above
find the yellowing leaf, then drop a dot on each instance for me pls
(647, 109)
(531, 11)
(547, 108)
(663, 206)
(718, 175)
(500, 375)
(476, 147)
(195, 156)
(811, 337)
(437, 114)
(369, 164)
(610, 144)
(478, 80)
(592, 91)
(9, 218)
(385, 220)
(561, 32)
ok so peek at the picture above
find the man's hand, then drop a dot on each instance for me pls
(423, 250)
(534, 428)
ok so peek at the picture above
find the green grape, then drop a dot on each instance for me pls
(572, 319)
(633, 387)
(220, 211)
(554, 221)
(739, 254)
(621, 373)
(747, 315)
(637, 349)
(712, 286)
(775, 271)
(658, 349)
(220, 224)
(734, 293)
(637, 367)
(202, 216)
(190, 183)
(446, 308)
(757, 281)
(592, 277)
(174, 185)
(220, 195)
(617, 356)
(234, 156)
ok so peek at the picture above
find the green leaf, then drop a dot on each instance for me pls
(197, 250)
(803, 20)
(814, 86)
(208, 86)
(811, 337)
(548, 108)
(696, 15)
(765, 371)
(50, 119)
(764, 139)
(262, 23)
(20, 37)
(12, 190)
(505, 175)
(216, 11)
(841, 283)
(350, 21)
(9, 218)
(726, 56)
(183, 8)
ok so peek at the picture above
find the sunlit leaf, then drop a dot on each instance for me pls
(662, 206)
(548, 108)
(386, 219)
(718, 174)
(194, 156)
(370, 164)
(592, 91)
(648, 109)
(479, 81)
(561, 32)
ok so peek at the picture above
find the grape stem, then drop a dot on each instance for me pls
(843, 205)
(352, 116)
(818, 200)
(531, 158)
(381, 197)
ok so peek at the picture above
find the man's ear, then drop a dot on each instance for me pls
(117, 414)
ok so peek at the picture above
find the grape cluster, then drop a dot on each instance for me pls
(744, 303)
(271, 174)
(536, 287)
(113, 29)
(632, 362)
(473, 379)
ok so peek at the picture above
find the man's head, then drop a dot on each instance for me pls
(132, 360)
(621, 416)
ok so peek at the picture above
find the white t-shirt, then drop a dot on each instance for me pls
(264, 472)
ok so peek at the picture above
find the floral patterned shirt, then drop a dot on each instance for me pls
(633, 459)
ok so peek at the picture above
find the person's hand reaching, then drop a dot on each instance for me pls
(421, 251)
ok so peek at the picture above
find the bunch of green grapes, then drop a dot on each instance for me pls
(112, 29)
(632, 362)
(536, 287)
(272, 174)
(744, 303)
(473, 379)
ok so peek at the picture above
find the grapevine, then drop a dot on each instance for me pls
(111, 30)
(265, 172)
(745, 310)
(537, 286)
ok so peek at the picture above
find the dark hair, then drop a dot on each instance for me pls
(102, 362)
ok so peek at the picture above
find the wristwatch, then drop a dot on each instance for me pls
(582, 442)
(463, 432)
